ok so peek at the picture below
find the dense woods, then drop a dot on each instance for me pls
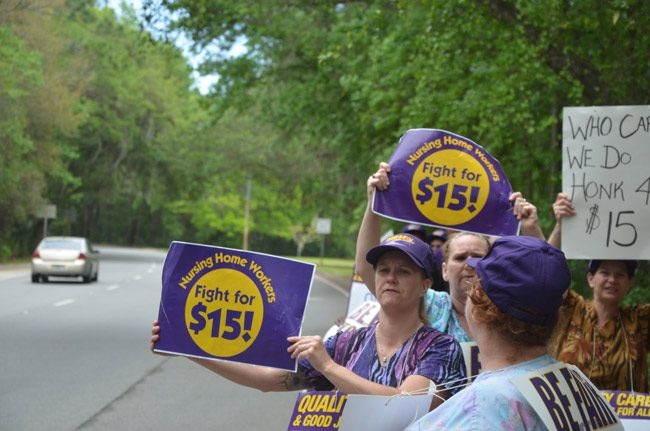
(99, 117)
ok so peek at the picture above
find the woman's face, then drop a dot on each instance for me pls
(455, 270)
(610, 282)
(399, 281)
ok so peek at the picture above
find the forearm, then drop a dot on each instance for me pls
(555, 238)
(348, 382)
(265, 379)
(532, 229)
(369, 234)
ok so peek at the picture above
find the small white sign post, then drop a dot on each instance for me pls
(46, 212)
(323, 227)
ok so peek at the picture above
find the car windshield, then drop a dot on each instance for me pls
(61, 245)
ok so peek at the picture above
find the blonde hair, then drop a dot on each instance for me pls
(422, 313)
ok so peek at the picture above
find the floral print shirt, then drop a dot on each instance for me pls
(612, 356)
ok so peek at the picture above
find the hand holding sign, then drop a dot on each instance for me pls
(231, 304)
(442, 179)
(605, 174)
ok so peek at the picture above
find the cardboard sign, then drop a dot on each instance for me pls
(329, 411)
(235, 305)
(442, 179)
(472, 359)
(633, 408)
(360, 317)
(564, 399)
(359, 294)
(383, 413)
(317, 410)
(605, 157)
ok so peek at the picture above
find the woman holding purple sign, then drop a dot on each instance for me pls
(445, 311)
(400, 353)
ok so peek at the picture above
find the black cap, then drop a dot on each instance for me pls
(629, 264)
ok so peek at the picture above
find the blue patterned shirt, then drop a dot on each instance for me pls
(491, 402)
(428, 353)
(442, 316)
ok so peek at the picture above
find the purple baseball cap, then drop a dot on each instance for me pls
(524, 277)
(419, 251)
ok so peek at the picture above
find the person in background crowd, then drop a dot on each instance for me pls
(415, 230)
(608, 342)
(399, 353)
(445, 311)
(511, 309)
(436, 240)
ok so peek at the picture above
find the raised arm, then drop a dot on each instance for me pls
(562, 207)
(369, 232)
(526, 213)
(265, 379)
(268, 379)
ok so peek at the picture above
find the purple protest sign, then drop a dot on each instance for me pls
(222, 303)
(442, 179)
(629, 405)
(317, 410)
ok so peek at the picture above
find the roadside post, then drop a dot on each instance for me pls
(45, 212)
(323, 227)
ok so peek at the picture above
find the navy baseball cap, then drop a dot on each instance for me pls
(438, 233)
(415, 229)
(630, 265)
(524, 277)
(419, 251)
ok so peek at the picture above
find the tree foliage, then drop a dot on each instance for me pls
(348, 78)
(99, 116)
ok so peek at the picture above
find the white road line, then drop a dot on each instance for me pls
(112, 287)
(64, 302)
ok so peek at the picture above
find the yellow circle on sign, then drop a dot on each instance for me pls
(450, 187)
(224, 311)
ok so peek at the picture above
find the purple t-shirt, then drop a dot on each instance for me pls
(428, 353)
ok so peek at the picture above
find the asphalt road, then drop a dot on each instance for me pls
(75, 356)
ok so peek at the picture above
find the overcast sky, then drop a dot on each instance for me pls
(202, 83)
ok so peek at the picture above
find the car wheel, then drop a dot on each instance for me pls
(86, 278)
(35, 278)
(45, 278)
(96, 276)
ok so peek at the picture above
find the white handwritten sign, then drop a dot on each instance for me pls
(606, 172)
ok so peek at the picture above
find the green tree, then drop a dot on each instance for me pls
(349, 78)
(40, 86)
(21, 183)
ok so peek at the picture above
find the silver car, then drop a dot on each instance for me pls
(64, 256)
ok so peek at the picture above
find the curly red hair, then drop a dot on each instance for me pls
(519, 333)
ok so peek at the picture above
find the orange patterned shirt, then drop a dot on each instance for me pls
(607, 355)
